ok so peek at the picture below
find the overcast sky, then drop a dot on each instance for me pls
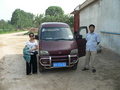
(35, 6)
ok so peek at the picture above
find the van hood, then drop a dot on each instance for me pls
(58, 47)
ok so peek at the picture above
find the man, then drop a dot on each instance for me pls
(93, 40)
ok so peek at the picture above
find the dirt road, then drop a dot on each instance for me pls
(13, 76)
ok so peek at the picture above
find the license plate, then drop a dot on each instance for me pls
(60, 64)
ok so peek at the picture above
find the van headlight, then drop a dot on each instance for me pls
(74, 51)
(44, 53)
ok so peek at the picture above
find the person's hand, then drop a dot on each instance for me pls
(31, 50)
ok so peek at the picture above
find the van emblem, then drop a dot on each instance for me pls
(59, 52)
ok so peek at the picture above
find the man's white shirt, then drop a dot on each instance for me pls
(92, 40)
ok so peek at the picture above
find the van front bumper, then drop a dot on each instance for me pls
(47, 61)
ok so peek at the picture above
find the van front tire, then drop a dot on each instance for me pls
(41, 69)
(75, 66)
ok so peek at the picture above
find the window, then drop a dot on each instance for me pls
(56, 33)
(83, 32)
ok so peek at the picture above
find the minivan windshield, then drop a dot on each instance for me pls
(56, 33)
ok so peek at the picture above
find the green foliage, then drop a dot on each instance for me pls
(54, 11)
(69, 20)
(59, 18)
(24, 20)
(53, 14)
(21, 19)
(6, 31)
(38, 20)
(5, 25)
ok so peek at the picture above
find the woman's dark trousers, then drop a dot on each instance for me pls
(32, 65)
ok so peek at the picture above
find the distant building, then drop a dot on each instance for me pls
(105, 14)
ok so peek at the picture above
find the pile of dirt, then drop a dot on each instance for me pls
(33, 30)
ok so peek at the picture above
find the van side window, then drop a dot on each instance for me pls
(83, 32)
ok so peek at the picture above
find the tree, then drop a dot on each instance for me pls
(5, 25)
(68, 19)
(38, 20)
(2, 24)
(54, 11)
(21, 19)
(53, 14)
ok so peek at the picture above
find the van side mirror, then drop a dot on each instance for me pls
(36, 37)
(79, 37)
(75, 33)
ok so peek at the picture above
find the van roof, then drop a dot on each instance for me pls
(54, 24)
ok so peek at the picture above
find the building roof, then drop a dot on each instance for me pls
(83, 5)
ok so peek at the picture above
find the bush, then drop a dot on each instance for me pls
(6, 31)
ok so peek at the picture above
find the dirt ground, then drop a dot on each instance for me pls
(13, 70)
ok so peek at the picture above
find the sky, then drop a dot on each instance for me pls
(7, 7)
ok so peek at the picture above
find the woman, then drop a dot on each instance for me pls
(33, 46)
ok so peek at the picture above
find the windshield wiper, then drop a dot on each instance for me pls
(57, 39)
(46, 39)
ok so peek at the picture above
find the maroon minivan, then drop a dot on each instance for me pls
(58, 47)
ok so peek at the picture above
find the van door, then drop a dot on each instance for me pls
(81, 40)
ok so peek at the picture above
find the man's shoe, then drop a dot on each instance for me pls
(94, 70)
(35, 73)
(85, 69)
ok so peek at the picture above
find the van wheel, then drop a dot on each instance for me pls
(41, 68)
(75, 66)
